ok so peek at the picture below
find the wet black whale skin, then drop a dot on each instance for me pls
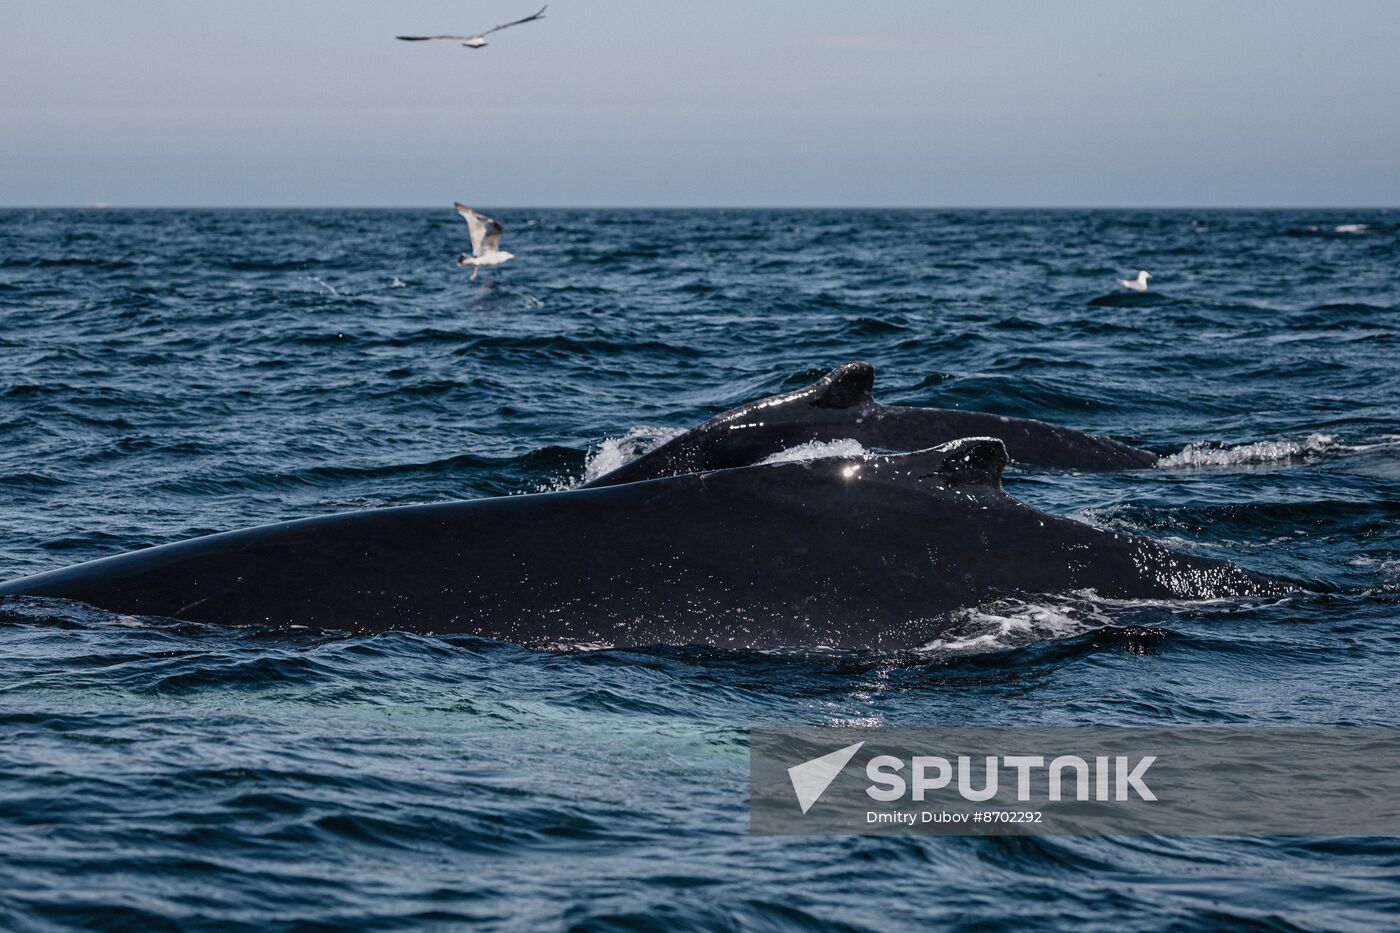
(843, 552)
(841, 405)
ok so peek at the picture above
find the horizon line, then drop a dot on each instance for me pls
(714, 207)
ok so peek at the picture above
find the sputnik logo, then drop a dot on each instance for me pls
(811, 778)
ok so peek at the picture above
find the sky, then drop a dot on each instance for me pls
(902, 103)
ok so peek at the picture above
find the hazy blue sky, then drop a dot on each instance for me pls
(721, 102)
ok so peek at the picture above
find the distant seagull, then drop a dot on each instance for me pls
(478, 40)
(1138, 284)
(486, 241)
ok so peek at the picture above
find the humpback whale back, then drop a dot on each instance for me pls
(968, 461)
(745, 435)
(841, 406)
(859, 551)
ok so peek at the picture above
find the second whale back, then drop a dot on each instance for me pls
(840, 406)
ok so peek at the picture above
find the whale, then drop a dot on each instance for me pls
(866, 552)
(841, 406)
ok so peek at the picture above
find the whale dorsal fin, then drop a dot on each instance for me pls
(845, 386)
(968, 461)
(974, 461)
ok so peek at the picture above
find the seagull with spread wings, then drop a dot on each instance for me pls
(478, 40)
(486, 240)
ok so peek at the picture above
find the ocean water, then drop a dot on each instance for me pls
(172, 373)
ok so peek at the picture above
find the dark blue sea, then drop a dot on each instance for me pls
(170, 373)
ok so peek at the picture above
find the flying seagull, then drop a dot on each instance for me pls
(486, 240)
(1138, 284)
(478, 40)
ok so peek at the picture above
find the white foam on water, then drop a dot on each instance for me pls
(575, 646)
(1390, 573)
(1013, 623)
(615, 452)
(1352, 228)
(1205, 455)
(1008, 623)
(1102, 517)
(817, 450)
(1386, 569)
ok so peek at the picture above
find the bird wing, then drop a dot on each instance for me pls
(492, 241)
(528, 19)
(426, 38)
(474, 224)
(486, 231)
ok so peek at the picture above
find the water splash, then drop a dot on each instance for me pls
(1209, 454)
(1010, 623)
(615, 452)
(817, 450)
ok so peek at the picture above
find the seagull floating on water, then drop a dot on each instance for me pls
(486, 240)
(477, 40)
(1138, 284)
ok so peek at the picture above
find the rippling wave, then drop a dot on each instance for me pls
(172, 373)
